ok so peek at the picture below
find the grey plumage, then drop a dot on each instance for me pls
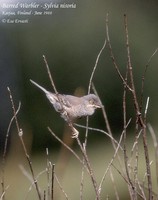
(72, 107)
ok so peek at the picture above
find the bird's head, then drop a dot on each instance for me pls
(93, 101)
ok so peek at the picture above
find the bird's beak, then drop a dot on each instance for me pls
(98, 106)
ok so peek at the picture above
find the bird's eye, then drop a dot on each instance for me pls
(91, 101)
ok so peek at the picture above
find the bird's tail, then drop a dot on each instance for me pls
(42, 88)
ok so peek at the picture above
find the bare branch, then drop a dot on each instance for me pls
(75, 133)
(114, 185)
(155, 142)
(95, 66)
(137, 109)
(93, 179)
(90, 84)
(112, 55)
(3, 193)
(146, 108)
(87, 119)
(101, 131)
(50, 76)
(65, 145)
(143, 78)
(110, 163)
(20, 133)
(5, 151)
(125, 179)
(61, 187)
(53, 175)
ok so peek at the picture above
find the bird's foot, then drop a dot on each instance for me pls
(75, 133)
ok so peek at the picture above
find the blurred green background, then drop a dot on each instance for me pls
(71, 40)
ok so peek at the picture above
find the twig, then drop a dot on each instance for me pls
(20, 133)
(125, 179)
(114, 185)
(143, 78)
(146, 109)
(155, 142)
(65, 145)
(29, 177)
(44, 195)
(26, 174)
(3, 193)
(116, 153)
(110, 163)
(109, 134)
(141, 189)
(5, 150)
(146, 177)
(74, 131)
(89, 169)
(7, 135)
(108, 126)
(49, 176)
(101, 131)
(85, 156)
(50, 76)
(138, 113)
(87, 118)
(130, 68)
(131, 187)
(60, 186)
(131, 88)
(112, 55)
(135, 142)
(53, 174)
(95, 66)
(82, 182)
(48, 173)
(135, 173)
(133, 184)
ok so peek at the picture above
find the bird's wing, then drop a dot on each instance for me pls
(70, 101)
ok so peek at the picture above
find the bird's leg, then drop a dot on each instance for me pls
(75, 133)
(65, 115)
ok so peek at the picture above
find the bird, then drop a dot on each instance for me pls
(71, 107)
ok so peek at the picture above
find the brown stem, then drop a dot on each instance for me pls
(20, 133)
(138, 113)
